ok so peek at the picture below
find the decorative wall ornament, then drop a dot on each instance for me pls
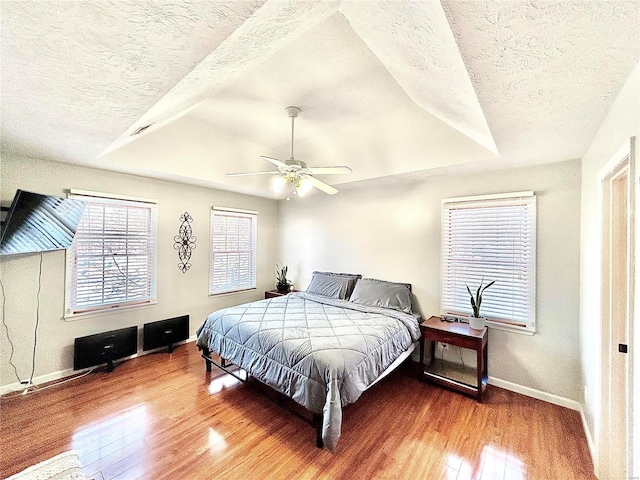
(185, 242)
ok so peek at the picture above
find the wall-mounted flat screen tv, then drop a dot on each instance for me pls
(39, 223)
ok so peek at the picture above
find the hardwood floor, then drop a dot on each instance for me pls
(161, 416)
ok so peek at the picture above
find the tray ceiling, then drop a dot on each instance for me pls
(388, 88)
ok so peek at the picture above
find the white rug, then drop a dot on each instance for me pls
(65, 466)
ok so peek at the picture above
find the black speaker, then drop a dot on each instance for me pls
(165, 333)
(105, 347)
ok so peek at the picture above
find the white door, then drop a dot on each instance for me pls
(617, 308)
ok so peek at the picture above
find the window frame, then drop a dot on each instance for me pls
(481, 201)
(72, 312)
(238, 213)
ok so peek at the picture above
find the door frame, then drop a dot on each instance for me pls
(626, 154)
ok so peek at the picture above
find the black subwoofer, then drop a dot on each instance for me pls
(165, 333)
(106, 347)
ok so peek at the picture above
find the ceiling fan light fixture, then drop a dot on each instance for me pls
(278, 183)
(304, 186)
(294, 175)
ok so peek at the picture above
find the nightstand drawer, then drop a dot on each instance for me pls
(452, 338)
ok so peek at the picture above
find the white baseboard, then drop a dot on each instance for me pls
(556, 400)
(590, 442)
(50, 377)
(539, 394)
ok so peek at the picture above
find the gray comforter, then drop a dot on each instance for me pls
(321, 352)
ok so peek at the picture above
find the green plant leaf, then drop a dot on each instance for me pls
(477, 301)
(488, 285)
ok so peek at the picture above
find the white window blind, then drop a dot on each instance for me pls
(112, 262)
(233, 250)
(490, 238)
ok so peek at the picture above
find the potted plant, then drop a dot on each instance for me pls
(476, 321)
(282, 284)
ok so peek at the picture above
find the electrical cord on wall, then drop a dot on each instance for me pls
(4, 323)
(35, 330)
(30, 387)
(442, 349)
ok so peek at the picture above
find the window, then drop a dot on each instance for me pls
(491, 238)
(112, 262)
(233, 250)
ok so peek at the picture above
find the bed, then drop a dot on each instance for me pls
(322, 348)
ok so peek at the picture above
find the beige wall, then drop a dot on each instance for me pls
(392, 232)
(178, 293)
(622, 122)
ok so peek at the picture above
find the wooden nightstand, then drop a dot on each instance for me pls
(472, 381)
(276, 293)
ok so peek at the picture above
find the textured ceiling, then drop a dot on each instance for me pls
(76, 75)
(546, 73)
(387, 87)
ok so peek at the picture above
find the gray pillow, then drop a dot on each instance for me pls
(336, 285)
(378, 293)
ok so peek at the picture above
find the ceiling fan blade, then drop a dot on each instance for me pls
(329, 170)
(320, 185)
(251, 173)
(275, 161)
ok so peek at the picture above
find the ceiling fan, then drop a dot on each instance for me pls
(296, 172)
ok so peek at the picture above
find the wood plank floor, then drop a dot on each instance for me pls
(161, 416)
